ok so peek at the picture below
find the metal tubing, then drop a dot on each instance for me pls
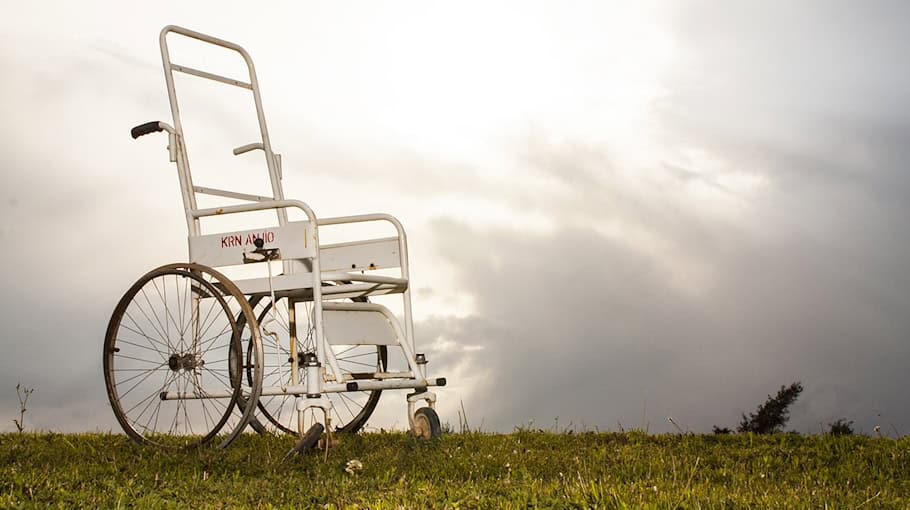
(301, 389)
(313, 379)
(292, 336)
(247, 148)
(229, 194)
(257, 206)
(183, 168)
(384, 385)
(210, 76)
(382, 375)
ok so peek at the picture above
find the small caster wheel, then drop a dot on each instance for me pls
(426, 424)
(308, 441)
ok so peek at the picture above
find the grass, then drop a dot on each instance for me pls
(524, 469)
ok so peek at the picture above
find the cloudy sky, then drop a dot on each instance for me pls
(617, 212)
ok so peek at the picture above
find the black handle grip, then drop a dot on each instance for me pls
(144, 129)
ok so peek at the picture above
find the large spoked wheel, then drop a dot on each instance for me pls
(173, 358)
(278, 413)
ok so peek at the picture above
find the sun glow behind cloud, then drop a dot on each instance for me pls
(456, 81)
(465, 84)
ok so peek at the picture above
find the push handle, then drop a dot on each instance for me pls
(147, 128)
(247, 148)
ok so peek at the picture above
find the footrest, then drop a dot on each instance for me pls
(391, 385)
(360, 324)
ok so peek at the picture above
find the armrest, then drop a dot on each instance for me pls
(363, 218)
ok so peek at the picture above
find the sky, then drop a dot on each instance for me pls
(617, 212)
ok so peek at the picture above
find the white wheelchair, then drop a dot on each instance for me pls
(293, 345)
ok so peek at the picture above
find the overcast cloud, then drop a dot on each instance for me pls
(616, 214)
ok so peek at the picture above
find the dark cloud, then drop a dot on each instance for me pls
(585, 328)
(808, 281)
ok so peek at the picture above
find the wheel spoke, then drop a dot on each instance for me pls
(154, 414)
(137, 384)
(361, 363)
(142, 333)
(344, 398)
(163, 330)
(142, 371)
(140, 359)
(156, 351)
(338, 354)
(167, 310)
(203, 329)
(373, 354)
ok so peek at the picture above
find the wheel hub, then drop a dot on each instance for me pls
(185, 361)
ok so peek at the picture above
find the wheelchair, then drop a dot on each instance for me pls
(290, 343)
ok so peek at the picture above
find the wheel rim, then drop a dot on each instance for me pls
(175, 331)
(422, 428)
(350, 410)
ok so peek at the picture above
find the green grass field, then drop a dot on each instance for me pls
(519, 470)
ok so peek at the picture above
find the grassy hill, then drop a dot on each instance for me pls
(519, 470)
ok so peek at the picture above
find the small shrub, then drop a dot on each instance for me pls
(771, 416)
(841, 427)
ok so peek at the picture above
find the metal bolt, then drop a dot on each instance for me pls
(310, 360)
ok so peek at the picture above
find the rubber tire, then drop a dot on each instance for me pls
(432, 430)
(310, 439)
